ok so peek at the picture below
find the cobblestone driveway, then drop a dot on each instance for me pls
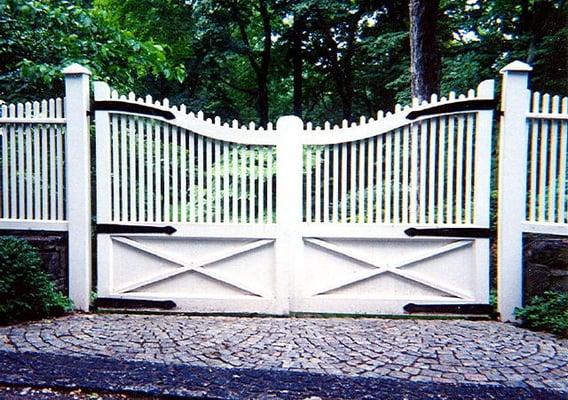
(449, 351)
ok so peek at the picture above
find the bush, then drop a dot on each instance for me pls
(26, 291)
(548, 313)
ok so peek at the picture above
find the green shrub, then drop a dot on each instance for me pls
(26, 291)
(548, 313)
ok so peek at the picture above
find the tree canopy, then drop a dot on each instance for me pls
(260, 59)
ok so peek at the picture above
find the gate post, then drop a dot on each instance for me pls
(515, 103)
(78, 184)
(289, 207)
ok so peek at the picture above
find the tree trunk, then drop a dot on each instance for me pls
(425, 57)
(262, 75)
(297, 65)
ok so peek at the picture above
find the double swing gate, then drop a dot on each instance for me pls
(387, 215)
(201, 216)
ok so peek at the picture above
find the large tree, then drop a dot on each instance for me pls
(424, 51)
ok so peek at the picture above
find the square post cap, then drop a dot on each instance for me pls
(76, 69)
(516, 66)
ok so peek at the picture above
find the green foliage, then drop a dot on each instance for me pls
(548, 313)
(26, 292)
(39, 38)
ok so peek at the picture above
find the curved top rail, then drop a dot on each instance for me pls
(481, 99)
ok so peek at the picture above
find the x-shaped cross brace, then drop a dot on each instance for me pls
(196, 265)
(394, 268)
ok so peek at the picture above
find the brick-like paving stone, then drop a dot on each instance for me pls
(437, 351)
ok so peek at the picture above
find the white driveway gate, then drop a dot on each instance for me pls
(354, 219)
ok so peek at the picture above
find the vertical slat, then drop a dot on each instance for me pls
(335, 183)
(226, 166)
(344, 182)
(235, 184)
(150, 170)
(166, 172)
(380, 180)
(183, 175)
(142, 215)
(423, 166)
(459, 169)
(450, 172)
(132, 184)
(244, 188)
(200, 171)
(158, 168)
(193, 194)
(413, 173)
(60, 161)
(123, 170)
(175, 175)
(269, 188)
(396, 178)
(361, 184)
(370, 180)
(115, 169)
(52, 163)
(388, 178)
(533, 161)
(552, 170)
(308, 152)
(353, 182)
(21, 166)
(28, 171)
(543, 163)
(217, 147)
(44, 160)
(209, 176)
(562, 203)
(441, 169)
(326, 184)
(469, 168)
(432, 171)
(251, 185)
(6, 188)
(261, 169)
(36, 139)
(317, 192)
(405, 173)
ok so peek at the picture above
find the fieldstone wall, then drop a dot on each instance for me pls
(546, 264)
(52, 248)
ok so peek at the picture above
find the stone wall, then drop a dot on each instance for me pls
(52, 248)
(545, 264)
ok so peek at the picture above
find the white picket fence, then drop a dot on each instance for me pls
(284, 193)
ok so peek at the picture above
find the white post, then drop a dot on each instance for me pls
(289, 241)
(513, 141)
(78, 184)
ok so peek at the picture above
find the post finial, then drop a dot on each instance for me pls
(76, 69)
(516, 66)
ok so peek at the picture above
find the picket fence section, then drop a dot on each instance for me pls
(403, 169)
(32, 181)
(547, 206)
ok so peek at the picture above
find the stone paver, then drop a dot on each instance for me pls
(440, 351)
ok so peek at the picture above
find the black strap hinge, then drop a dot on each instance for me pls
(478, 233)
(118, 228)
(460, 106)
(118, 106)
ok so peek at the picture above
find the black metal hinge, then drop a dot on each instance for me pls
(115, 105)
(469, 309)
(118, 228)
(468, 105)
(108, 302)
(478, 233)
